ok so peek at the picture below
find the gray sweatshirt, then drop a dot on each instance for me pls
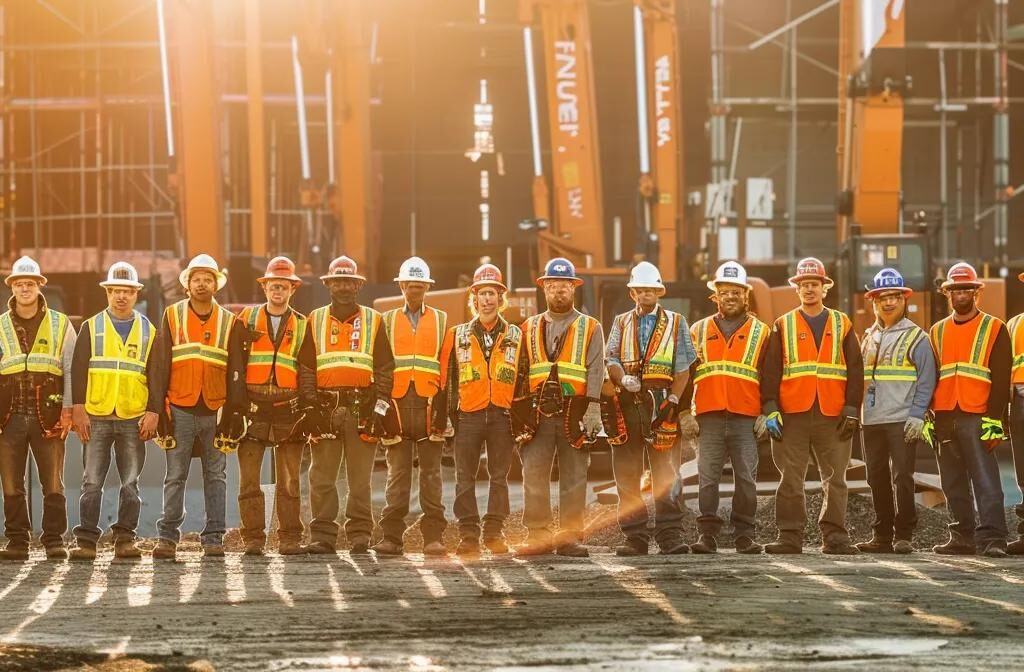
(886, 400)
(557, 323)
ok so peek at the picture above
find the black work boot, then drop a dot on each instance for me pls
(876, 545)
(706, 543)
(632, 546)
(748, 546)
(955, 546)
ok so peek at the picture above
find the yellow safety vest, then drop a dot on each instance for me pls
(117, 368)
(45, 355)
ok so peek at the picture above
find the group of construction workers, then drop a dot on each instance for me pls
(347, 379)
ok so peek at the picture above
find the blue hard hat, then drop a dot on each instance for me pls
(885, 280)
(559, 268)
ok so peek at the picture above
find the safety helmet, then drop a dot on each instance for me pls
(122, 274)
(414, 269)
(811, 268)
(887, 280)
(729, 273)
(280, 268)
(26, 267)
(488, 275)
(343, 267)
(961, 274)
(559, 268)
(203, 262)
(646, 275)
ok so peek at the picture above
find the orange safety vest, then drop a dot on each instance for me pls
(481, 382)
(727, 378)
(810, 372)
(963, 351)
(270, 363)
(572, 360)
(656, 364)
(344, 350)
(416, 351)
(1016, 327)
(199, 355)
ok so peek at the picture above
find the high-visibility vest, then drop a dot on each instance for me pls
(657, 362)
(199, 355)
(270, 362)
(117, 368)
(483, 382)
(47, 348)
(1016, 327)
(344, 350)
(572, 360)
(417, 351)
(726, 378)
(963, 351)
(895, 365)
(812, 372)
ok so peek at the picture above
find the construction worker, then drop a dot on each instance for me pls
(813, 383)
(971, 398)
(354, 375)
(197, 367)
(1016, 331)
(731, 346)
(36, 349)
(648, 356)
(479, 367)
(564, 355)
(415, 332)
(899, 371)
(280, 377)
(110, 396)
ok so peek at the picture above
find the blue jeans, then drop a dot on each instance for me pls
(189, 428)
(725, 435)
(489, 429)
(538, 457)
(965, 466)
(1017, 444)
(130, 456)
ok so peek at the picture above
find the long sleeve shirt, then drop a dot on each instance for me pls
(80, 364)
(685, 354)
(557, 325)
(771, 377)
(306, 361)
(383, 357)
(1000, 361)
(887, 401)
(26, 329)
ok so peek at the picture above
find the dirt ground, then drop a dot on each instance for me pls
(681, 613)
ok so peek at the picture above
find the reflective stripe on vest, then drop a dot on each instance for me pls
(211, 350)
(412, 363)
(47, 347)
(572, 361)
(270, 361)
(483, 382)
(897, 364)
(343, 364)
(1016, 327)
(746, 367)
(660, 366)
(963, 352)
(726, 377)
(977, 367)
(834, 369)
(117, 368)
(812, 373)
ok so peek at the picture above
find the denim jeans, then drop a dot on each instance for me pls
(1017, 444)
(129, 456)
(965, 467)
(327, 457)
(725, 435)
(21, 433)
(890, 466)
(538, 457)
(189, 428)
(487, 429)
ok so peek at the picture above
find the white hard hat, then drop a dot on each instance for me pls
(203, 262)
(122, 274)
(645, 275)
(730, 273)
(26, 267)
(414, 269)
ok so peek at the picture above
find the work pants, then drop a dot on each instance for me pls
(488, 429)
(538, 457)
(327, 458)
(121, 437)
(1017, 444)
(890, 467)
(188, 428)
(251, 502)
(727, 436)
(21, 435)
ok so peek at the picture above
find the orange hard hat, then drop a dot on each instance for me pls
(961, 274)
(280, 268)
(811, 268)
(488, 275)
(343, 267)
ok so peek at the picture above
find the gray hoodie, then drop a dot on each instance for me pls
(893, 394)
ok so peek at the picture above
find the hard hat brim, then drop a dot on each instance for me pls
(294, 279)
(353, 276)
(825, 280)
(955, 284)
(488, 283)
(713, 284)
(872, 292)
(122, 283)
(541, 279)
(426, 281)
(184, 276)
(646, 285)
(41, 279)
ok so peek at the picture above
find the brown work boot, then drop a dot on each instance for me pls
(536, 545)
(840, 547)
(83, 552)
(876, 545)
(496, 545)
(995, 549)
(387, 547)
(955, 546)
(127, 550)
(748, 546)
(319, 548)
(14, 552)
(359, 546)
(572, 549)
(902, 546)
(56, 552)
(785, 545)
(253, 547)
(434, 548)
(165, 550)
(213, 550)
(290, 548)
(1016, 547)
(673, 544)
(468, 547)
(706, 543)
(632, 547)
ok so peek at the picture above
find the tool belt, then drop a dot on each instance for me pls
(269, 416)
(359, 403)
(356, 401)
(526, 412)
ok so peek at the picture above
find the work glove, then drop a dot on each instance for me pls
(913, 428)
(928, 430)
(314, 425)
(592, 425)
(773, 423)
(375, 425)
(847, 427)
(991, 433)
(761, 427)
(668, 413)
(688, 427)
(165, 432)
(630, 383)
(230, 431)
